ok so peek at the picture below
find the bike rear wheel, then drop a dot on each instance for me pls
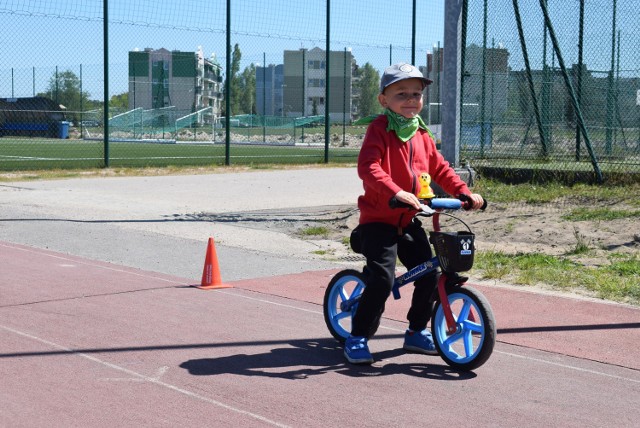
(341, 301)
(471, 345)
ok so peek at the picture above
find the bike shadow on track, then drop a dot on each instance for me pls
(310, 357)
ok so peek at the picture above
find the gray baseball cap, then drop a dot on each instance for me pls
(402, 71)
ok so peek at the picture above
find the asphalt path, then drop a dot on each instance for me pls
(100, 324)
(163, 223)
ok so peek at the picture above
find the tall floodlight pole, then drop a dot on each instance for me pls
(452, 75)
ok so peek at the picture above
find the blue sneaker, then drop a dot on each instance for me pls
(420, 342)
(356, 350)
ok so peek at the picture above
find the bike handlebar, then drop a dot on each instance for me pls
(446, 204)
(438, 204)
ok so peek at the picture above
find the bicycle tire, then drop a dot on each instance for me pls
(344, 285)
(473, 342)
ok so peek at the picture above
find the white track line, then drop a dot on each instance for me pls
(89, 263)
(566, 366)
(231, 293)
(537, 360)
(137, 375)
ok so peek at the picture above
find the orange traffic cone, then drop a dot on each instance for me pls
(211, 273)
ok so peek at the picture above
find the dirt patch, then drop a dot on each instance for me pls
(509, 228)
(522, 228)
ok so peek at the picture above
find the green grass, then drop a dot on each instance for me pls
(599, 214)
(582, 245)
(315, 231)
(257, 131)
(29, 154)
(617, 280)
(496, 191)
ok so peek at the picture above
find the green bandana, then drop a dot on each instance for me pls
(404, 128)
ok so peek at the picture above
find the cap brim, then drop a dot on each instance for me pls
(424, 81)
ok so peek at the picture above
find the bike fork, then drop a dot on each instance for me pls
(446, 308)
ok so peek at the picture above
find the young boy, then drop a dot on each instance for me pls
(396, 150)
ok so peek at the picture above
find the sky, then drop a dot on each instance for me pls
(67, 33)
(40, 35)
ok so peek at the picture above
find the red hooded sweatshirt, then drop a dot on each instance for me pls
(386, 165)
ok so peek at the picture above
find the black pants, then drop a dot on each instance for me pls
(382, 244)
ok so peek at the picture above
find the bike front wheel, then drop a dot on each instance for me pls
(471, 345)
(341, 301)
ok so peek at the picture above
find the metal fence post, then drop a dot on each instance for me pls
(452, 75)
(264, 96)
(227, 89)
(327, 92)
(105, 117)
(413, 34)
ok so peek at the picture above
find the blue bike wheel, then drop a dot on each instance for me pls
(472, 343)
(340, 302)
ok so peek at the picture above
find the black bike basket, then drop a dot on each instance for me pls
(454, 250)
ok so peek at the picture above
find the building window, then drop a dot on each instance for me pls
(316, 64)
(316, 83)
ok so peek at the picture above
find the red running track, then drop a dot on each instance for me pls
(91, 344)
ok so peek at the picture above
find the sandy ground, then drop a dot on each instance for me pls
(509, 228)
(296, 217)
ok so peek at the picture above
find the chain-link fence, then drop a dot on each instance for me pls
(147, 85)
(153, 74)
(552, 98)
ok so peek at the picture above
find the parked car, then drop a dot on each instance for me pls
(90, 123)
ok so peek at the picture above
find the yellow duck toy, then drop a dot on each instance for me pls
(425, 187)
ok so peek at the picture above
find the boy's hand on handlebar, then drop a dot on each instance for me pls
(409, 199)
(473, 201)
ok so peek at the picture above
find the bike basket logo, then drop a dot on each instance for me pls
(465, 247)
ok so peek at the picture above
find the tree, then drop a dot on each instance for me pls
(119, 102)
(248, 90)
(234, 82)
(368, 88)
(64, 89)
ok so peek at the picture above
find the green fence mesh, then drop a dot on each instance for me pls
(556, 97)
(162, 80)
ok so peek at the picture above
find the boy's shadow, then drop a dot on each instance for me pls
(305, 358)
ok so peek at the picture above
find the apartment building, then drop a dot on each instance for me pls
(496, 83)
(269, 88)
(305, 82)
(185, 82)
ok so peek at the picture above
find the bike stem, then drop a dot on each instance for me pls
(436, 221)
